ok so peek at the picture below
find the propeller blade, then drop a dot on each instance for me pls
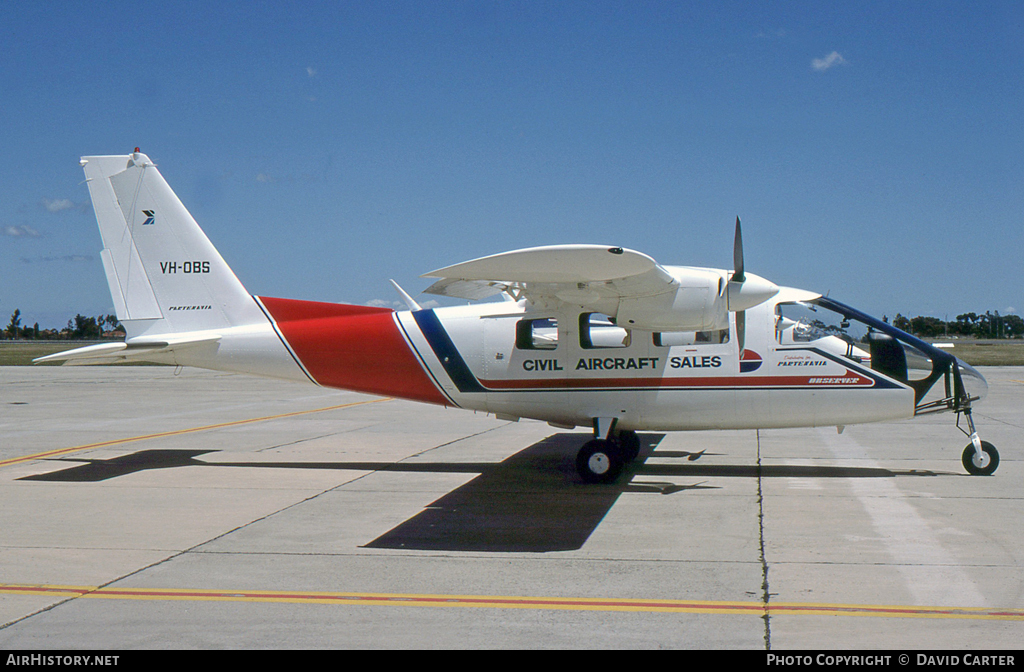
(741, 330)
(743, 292)
(737, 255)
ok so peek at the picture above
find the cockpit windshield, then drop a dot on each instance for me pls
(843, 331)
(805, 321)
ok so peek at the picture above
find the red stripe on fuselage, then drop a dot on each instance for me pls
(350, 347)
(849, 380)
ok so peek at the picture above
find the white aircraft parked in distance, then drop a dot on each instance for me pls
(590, 335)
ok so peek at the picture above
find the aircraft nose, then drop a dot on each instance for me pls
(974, 383)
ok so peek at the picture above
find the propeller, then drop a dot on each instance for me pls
(737, 279)
(745, 291)
(737, 255)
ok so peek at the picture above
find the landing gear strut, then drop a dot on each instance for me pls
(980, 458)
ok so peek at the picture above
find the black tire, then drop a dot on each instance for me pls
(599, 461)
(629, 444)
(986, 466)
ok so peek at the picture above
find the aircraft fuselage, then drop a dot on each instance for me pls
(556, 366)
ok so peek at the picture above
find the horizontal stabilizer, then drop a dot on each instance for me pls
(113, 353)
(103, 350)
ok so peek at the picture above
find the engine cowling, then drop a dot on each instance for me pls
(701, 301)
(697, 303)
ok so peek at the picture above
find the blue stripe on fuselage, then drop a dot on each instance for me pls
(881, 382)
(441, 343)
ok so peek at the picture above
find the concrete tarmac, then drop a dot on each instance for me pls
(140, 509)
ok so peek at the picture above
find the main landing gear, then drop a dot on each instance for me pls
(601, 460)
(980, 458)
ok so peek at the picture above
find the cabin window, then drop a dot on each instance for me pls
(537, 334)
(597, 330)
(664, 339)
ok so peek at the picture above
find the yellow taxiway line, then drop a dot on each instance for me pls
(513, 602)
(178, 432)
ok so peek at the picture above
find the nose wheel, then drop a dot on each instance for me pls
(983, 462)
(980, 458)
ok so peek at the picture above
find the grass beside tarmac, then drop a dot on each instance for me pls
(974, 352)
(987, 353)
(21, 353)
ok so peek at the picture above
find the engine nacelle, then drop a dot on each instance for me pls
(699, 303)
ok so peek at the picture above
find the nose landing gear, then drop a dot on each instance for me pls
(980, 458)
(983, 462)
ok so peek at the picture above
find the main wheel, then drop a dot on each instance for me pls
(599, 461)
(629, 442)
(981, 465)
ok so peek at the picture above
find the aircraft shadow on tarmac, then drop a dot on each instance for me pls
(532, 501)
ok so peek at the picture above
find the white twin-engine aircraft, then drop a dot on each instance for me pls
(589, 335)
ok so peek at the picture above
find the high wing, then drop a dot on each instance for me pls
(624, 284)
(587, 275)
(553, 264)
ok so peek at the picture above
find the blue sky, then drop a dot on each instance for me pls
(872, 150)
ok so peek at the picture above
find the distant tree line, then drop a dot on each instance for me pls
(988, 325)
(79, 328)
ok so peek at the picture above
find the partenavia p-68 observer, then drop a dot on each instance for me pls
(590, 335)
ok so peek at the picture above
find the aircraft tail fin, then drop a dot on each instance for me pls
(164, 275)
